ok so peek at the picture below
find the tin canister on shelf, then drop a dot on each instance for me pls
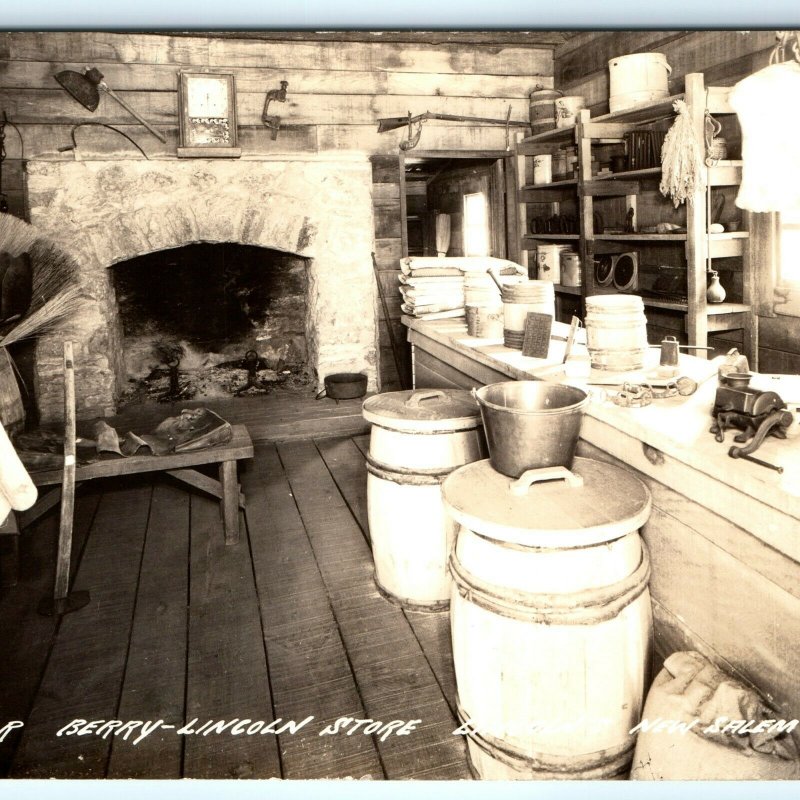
(548, 262)
(570, 269)
(542, 169)
(567, 109)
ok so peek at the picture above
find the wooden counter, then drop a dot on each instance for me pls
(724, 535)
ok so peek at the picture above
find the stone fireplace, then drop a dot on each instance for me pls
(102, 213)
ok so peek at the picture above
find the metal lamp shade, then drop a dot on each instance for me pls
(82, 86)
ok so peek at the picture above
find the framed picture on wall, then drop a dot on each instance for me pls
(207, 115)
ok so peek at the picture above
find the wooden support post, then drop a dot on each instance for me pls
(230, 501)
(68, 482)
(696, 227)
(61, 602)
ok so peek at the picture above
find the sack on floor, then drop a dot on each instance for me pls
(700, 724)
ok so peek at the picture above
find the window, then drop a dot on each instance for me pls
(790, 247)
(476, 225)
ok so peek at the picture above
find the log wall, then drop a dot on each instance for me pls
(337, 91)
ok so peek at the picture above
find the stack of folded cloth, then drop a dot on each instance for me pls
(433, 288)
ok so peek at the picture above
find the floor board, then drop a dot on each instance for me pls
(309, 668)
(86, 666)
(155, 675)
(345, 462)
(27, 635)
(284, 626)
(227, 669)
(392, 687)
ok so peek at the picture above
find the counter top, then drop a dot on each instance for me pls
(676, 428)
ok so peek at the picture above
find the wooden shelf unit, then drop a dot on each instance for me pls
(700, 248)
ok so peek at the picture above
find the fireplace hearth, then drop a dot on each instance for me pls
(190, 316)
(311, 217)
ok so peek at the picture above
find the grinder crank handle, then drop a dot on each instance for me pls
(778, 417)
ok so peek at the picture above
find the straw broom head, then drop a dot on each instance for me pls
(66, 305)
(16, 235)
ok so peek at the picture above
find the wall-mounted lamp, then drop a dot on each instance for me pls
(85, 87)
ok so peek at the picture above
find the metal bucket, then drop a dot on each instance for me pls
(531, 424)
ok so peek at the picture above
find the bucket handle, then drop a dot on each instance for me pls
(521, 486)
(424, 394)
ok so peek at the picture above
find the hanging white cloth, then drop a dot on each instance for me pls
(768, 106)
(442, 234)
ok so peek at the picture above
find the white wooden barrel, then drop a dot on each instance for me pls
(637, 78)
(550, 617)
(417, 439)
(518, 299)
(616, 332)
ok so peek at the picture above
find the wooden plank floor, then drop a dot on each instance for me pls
(266, 643)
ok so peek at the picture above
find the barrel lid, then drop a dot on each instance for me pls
(423, 410)
(594, 502)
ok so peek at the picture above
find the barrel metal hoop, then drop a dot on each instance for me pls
(586, 607)
(415, 478)
(428, 472)
(476, 425)
(524, 548)
(439, 605)
(593, 766)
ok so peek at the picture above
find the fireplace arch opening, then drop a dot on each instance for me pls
(209, 320)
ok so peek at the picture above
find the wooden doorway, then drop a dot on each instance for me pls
(490, 171)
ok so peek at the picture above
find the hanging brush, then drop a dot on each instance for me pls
(682, 159)
(66, 305)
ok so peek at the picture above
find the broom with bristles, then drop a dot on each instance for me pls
(67, 304)
(54, 293)
(16, 235)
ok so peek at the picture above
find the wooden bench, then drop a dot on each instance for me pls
(178, 465)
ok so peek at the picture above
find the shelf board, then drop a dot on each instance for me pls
(628, 174)
(667, 305)
(716, 237)
(560, 289)
(645, 237)
(713, 309)
(642, 113)
(552, 185)
(551, 236)
(553, 135)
